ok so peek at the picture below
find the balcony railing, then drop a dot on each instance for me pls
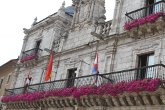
(157, 7)
(154, 71)
(30, 54)
(102, 30)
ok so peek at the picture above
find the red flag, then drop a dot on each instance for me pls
(49, 68)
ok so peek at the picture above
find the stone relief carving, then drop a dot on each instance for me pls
(72, 61)
(99, 12)
(34, 22)
(75, 2)
(64, 34)
(88, 12)
(146, 46)
(117, 2)
(26, 31)
(84, 10)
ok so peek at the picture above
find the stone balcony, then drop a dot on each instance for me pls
(105, 102)
(146, 20)
(30, 55)
(102, 30)
(125, 88)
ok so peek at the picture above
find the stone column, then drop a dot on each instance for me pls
(91, 11)
(77, 13)
(116, 17)
(24, 46)
(113, 55)
(74, 16)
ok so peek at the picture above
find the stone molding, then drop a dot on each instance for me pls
(48, 21)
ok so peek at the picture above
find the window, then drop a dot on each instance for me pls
(71, 75)
(38, 43)
(144, 61)
(149, 3)
(1, 81)
(8, 79)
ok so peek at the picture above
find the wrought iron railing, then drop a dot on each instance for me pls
(59, 84)
(149, 72)
(145, 11)
(30, 54)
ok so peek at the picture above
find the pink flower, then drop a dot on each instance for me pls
(148, 85)
(148, 19)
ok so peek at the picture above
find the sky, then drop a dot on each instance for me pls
(19, 14)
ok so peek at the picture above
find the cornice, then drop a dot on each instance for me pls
(48, 21)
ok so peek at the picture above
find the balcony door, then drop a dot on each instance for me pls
(145, 61)
(71, 76)
(158, 7)
(153, 8)
(37, 46)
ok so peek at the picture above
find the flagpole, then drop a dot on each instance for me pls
(49, 67)
(97, 62)
(57, 64)
(42, 75)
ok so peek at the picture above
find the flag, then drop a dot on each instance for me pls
(27, 81)
(95, 65)
(49, 68)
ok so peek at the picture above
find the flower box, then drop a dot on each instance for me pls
(148, 19)
(108, 94)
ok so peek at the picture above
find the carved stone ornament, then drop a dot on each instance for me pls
(26, 31)
(75, 1)
(35, 21)
(87, 12)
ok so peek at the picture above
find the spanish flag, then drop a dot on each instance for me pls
(49, 68)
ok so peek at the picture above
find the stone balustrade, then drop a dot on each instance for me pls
(102, 29)
(106, 102)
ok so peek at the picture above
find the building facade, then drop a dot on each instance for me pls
(130, 47)
(7, 72)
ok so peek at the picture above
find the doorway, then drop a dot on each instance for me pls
(71, 76)
(143, 62)
(37, 46)
(153, 8)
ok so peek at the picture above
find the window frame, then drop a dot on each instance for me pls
(1, 82)
(8, 79)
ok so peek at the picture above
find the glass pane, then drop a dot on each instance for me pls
(157, 7)
(151, 60)
(157, 0)
(150, 71)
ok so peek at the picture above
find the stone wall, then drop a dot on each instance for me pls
(121, 8)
